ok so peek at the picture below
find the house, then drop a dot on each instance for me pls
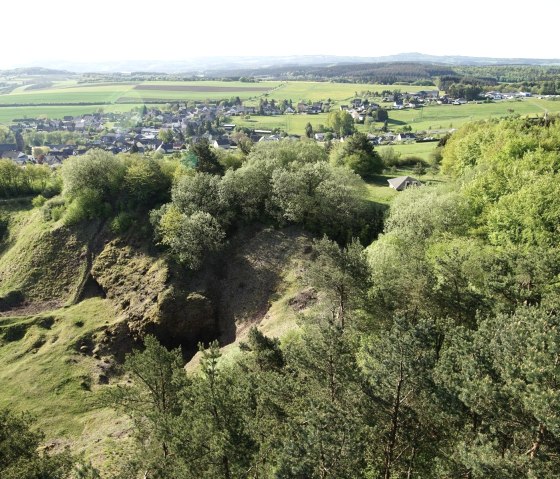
(302, 107)
(7, 148)
(403, 182)
(165, 148)
(406, 137)
(16, 156)
(319, 136)
(222, 143)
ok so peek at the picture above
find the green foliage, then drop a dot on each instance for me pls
(318, 196)
(16, 180)
(38, 201)
(122, 222)
(342, 274)
(145, 183)
(341, 122)
(54, 209)
(189, 237)
(285, 182)
(19, 457)
(357, 153)
(87, 206)
(98, 171)
(506, 376)
(207, 160)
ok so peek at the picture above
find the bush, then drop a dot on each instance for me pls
(38, 201)
(390, 157)
(53, 209)
(122, 222)
(88, 206)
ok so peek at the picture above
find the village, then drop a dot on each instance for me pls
(170, 129)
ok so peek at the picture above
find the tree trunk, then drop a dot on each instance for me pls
(389, 449)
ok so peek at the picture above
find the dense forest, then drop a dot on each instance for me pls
(431, 352)
(538, 79)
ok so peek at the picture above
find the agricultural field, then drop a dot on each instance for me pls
(453, 116)
(432, 117)
(8, 114)
(73, 96)
(59, 98)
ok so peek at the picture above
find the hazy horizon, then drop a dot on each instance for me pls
(58, 32)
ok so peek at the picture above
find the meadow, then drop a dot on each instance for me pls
(453, 116)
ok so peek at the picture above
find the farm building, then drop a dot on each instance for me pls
(403, 182)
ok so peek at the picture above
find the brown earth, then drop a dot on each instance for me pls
(201, 88)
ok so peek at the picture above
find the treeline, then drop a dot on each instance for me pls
(432, 353)
(533, 78)
(194, 204)
(16, 181)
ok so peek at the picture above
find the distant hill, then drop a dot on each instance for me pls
(202, 65)
(35, 71)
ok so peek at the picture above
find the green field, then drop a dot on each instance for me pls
(421, 150)
(8, 114)
(62, 94)
(453, 116)
(64, 98)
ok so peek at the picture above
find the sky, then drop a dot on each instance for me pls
(37, 32)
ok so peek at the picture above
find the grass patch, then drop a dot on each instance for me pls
(379, 191)
(44, 374)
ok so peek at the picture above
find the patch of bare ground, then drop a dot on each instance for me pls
(31, 308)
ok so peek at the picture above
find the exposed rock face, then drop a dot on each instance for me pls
(183, 308)
(150, 298)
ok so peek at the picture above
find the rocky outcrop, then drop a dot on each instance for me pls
(150, 299)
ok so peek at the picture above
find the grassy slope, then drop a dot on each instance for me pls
(43, 372)
(41, 259)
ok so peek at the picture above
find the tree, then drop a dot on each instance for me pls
(342, 274)
(382, 115)
(189, 237)
(144, 182)
(20, 144)
(97, 171)
(322, 198)
(165, 135)
(358, 154)
(309, 130)
(341, 122)
(19, 457)
(325, 433)
(151, 399)
(200, 192)
(409, 428)
(207, 160)
(505, 375)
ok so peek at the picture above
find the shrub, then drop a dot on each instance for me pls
(122, 222)
(38, 201)
(53, 209)
(88, 206)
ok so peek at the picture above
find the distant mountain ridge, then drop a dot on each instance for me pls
(201, 65)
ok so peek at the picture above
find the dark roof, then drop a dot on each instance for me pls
(8, 147)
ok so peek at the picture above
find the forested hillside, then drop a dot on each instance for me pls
(434, 352)
(425, 342)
